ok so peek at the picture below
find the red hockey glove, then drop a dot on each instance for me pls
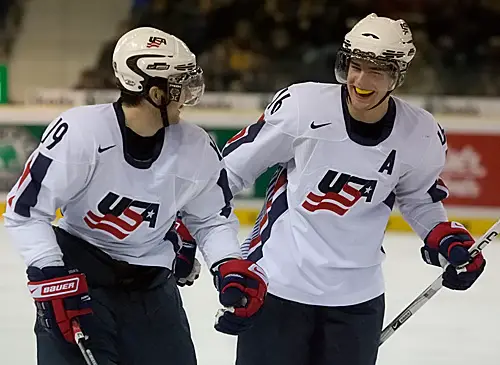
(186, 268)
(61, 296)
(242, 287)
(449, 242)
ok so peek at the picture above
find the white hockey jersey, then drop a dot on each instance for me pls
(122, 206)
(319, 235)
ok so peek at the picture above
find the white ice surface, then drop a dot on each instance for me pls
(453, 328)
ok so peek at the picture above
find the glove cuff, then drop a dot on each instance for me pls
(58, 288)
(48, 272)
(444, 230)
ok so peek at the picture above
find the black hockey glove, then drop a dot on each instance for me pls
(242, 287)
(449, 242)
(61, 296)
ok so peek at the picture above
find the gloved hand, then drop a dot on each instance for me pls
(242, 287)
(186, 267)
(61, 296)
(449, 242)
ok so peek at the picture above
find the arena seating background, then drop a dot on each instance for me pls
(262, 45)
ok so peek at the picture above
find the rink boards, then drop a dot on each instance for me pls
(477, 221)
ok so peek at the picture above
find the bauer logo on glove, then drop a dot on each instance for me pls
(61, 296)
(50, 288)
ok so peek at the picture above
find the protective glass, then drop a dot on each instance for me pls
(384, 75)
(188, 86)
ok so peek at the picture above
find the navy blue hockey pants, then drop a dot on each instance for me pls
(292, 333)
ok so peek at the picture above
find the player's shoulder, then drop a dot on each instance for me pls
(198, 148)
(315, 88)
(88, 116)
(89, 122)
(414, 119)
(299, 103)
(72, 135)
(310, 94)
(191, 135)
(318, 99)
(419, 130)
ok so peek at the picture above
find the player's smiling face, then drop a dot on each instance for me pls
(367, 83)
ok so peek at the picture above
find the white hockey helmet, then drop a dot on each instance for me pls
(383, 41)
(145, 54)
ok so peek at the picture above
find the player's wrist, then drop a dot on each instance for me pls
(48, 261)
(49, 272)
(214, 268)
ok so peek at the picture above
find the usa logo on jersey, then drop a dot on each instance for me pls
(338, 192)
(120, 216)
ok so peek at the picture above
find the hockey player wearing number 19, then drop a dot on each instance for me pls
(346, 154)
(120, 173)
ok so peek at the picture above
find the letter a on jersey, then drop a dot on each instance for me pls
(388, 164)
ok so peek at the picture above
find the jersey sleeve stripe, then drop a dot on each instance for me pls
(226, 191)
(29, 197)
(23, 178)
(390, 200)
(276, 205)
(254, 237)
(246, 135)
(438, 191)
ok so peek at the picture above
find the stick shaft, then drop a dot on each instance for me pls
(432, 289)
(79, 339)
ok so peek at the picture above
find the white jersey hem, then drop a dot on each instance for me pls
(333, 300)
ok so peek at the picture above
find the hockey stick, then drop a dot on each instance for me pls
(431, 290)
(79, 339)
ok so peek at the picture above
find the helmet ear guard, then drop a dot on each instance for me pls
(146, 87)
(174, 92)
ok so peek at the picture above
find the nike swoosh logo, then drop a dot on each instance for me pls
(101, 150)
(316, 126)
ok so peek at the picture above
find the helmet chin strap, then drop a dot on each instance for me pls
(163, 111)
(162, 107)
(398, 83)
(382, 100)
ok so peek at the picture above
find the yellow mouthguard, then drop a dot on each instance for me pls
(363, 92)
